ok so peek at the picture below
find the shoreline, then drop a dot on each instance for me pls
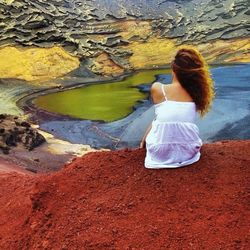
(101, 133)
(26, 104)
(110, 133)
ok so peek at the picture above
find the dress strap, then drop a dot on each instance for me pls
(163, 92)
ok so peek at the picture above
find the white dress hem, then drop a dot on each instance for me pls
(151, 165)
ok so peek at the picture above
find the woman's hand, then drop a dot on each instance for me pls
(143, 141)
(143, 144)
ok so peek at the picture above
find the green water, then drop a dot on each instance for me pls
(106, 101)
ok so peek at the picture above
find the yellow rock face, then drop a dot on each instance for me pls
(241, 58)
(141, 29)
(36, 63)
(105, 66)
(158, 51)
(7, 1)
(43, 64)
(236, 50)
(154, 52)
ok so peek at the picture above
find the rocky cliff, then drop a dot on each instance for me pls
(115, 36)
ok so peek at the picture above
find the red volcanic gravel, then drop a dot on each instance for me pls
(108, 200)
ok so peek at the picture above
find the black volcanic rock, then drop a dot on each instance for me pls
(14, 132)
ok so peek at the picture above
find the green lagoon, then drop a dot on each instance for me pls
(105, 101)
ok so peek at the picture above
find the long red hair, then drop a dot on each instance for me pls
(193, 74)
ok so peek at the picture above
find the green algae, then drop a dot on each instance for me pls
(107, 101)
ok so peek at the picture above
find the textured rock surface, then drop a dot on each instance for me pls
(35, 63)
(14, 132)
(91, 29)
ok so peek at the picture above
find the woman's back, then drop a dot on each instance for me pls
(174, 111)
(173, 140)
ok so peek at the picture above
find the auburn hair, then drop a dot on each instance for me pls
(193, 74)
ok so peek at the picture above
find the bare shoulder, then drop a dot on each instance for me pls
(156, 92)
(155, 86)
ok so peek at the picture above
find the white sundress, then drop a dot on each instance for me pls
(173, 140)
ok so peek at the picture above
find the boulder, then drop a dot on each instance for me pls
(16, 132)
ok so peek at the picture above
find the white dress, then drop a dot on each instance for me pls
(173, 140)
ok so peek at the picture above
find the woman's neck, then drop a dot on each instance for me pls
(175, 80)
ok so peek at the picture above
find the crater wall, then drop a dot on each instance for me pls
(112, 37)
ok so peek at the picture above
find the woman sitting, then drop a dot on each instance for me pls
(173, 139)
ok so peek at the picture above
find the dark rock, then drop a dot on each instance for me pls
(3, 116)
(31, 170)
(32, 140)
(5, 149)
(25, 124)
(15, 132)
(37, 24)
(10, 140)
(17, 123)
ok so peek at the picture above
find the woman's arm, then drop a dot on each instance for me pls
(143, 141)
(156, 96)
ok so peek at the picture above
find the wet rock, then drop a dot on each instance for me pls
(16, 132)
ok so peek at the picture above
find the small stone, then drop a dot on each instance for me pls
(5, 150)
(25, 124)
(31, 170)
(98, 209)
(10, 140)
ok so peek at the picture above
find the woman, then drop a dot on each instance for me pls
(173, 139)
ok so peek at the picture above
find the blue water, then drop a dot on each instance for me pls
(230, 114)
(229, 117)
(231, 109)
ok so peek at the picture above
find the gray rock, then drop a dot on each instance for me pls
(74, 24)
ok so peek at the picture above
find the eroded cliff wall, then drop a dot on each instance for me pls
(110, 37)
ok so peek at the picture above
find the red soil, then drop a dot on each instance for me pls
(108, 200)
